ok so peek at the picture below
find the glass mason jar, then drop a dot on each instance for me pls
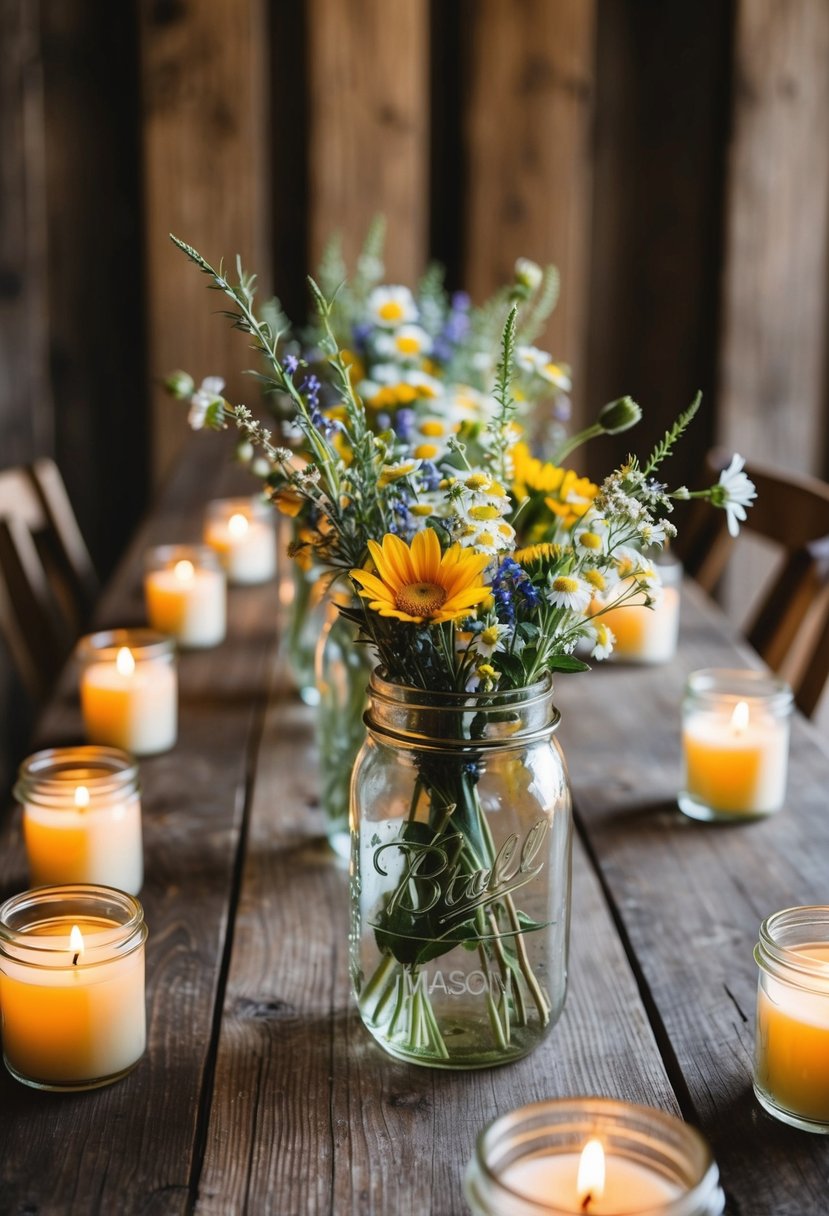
(460, 873)
(72, 986)
(735, 744)
(526, 1163)
(129, 690)
(82, 817)
(791, 1057)
(343, 669)
(185, 591)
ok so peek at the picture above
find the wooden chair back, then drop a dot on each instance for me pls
(48, 584)
(792, 511)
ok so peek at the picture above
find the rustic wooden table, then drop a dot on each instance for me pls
(261, 1093)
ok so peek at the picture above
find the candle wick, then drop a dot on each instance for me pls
(585, 1203)
(75, 958)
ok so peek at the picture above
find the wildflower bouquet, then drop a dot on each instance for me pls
(475, 574)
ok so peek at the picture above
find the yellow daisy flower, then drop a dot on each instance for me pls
(419, 583)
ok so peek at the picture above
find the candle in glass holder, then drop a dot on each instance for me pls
(593, 1155)
(129, 690)
(791, 1058)
(242, 533)
(186, 594)
(735, 742)
(643, 634)
(72, 986)
(82, 817)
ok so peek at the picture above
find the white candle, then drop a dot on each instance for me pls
(72, 993)
(186, 595)
(590, 1182)
(645, 635)
(242, 533)
(82, 817)
(129, 698)
(735, 742)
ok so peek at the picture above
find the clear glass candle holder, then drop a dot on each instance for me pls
(129, 690)
(735, 744)
(791, 1058)
(72, 986)
(82, 817)
(242, 533)
(648, 634)
(185, 591)
(532, 1162)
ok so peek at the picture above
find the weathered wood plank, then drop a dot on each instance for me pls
(25, 411)
(134, 1146)
(661, 94)
(691, 898)
(528, 154)
(309, 1116)
(368, 113)
(204, 113)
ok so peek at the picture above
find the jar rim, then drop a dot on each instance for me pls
(144, 644)
(46, 774)
(584, 1117)
(123, 928)
(783, 959)
(734, 683)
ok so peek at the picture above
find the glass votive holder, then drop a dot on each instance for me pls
(570, 1155)
(82, 817)
(643, 634)
(129, 690)
(791, 1055)
(185, 591)
(241, 531)
(735, 744)
(72, 986)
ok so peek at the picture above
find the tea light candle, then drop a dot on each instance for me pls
(643, 634)
(791, 1062)
(82, 817)
(186, 594)
(72, 986)
(242, 533)
(735, 739)
(129, 690)
(591, 1155)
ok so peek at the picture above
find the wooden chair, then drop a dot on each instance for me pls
(792, 619)
(48, 584)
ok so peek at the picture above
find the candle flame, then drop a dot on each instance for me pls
(237, 525)
(590, 1179)
(76, 944)
(740, 716)
(81, 797)
(124, 662)
(184, 571)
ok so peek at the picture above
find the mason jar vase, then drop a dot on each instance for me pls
(460, 873)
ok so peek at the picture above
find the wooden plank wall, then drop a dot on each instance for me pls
(671, 158)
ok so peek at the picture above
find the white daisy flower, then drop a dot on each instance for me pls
(602, 638)
(426, 385)
(493, 538)
(736, 492)
(567, 591)
(207, 394)
(390, 307)
(528, 273)
(531, 359)
(410, 342)
(592, 534)
(490, 639)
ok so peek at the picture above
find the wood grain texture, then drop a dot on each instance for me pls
(135, 1145)
(203, 71)
(309, 1115)
(368, 114)
(776, 293)
(690, 898)
(25, 413)
(528, 110)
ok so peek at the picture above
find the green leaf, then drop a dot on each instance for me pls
(566, 662)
